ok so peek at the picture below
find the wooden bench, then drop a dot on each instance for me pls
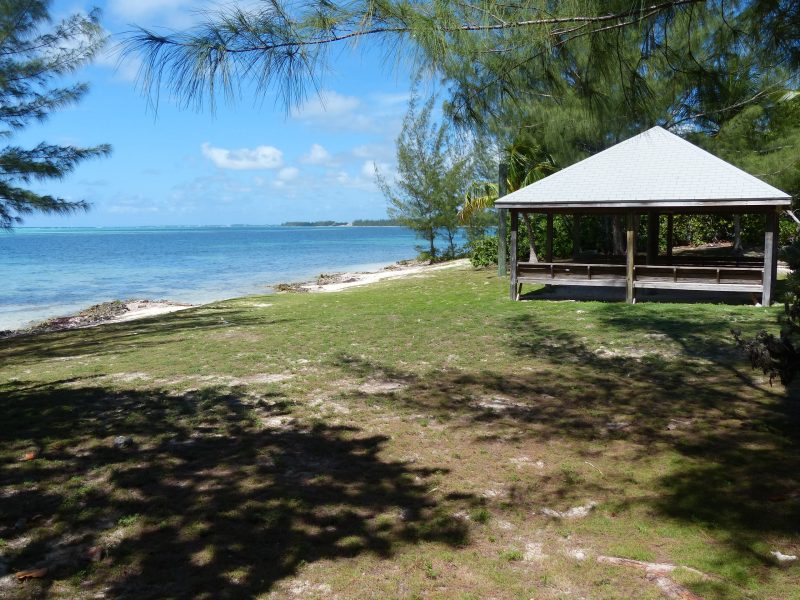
(724, 279)
(571, 274)
(669, 277)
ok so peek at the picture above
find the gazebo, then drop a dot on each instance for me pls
(654, 173)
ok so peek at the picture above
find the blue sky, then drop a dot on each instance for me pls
(245, 163)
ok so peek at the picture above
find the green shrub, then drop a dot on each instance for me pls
(480, 515)
(483, 251)
(511, 555)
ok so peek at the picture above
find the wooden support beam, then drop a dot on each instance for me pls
(653, 232)
(770, 257)
(630, 289)
(576, 235)
(737, 234)
(514, 228)
(501, 243)
(548, 242)
(670, 234)
(502, 189)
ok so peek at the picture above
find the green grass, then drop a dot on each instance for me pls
(399, 440)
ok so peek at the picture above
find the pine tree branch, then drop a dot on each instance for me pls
(642, 13)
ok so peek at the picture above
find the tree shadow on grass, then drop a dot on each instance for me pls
(738, 472)
(117, 338)
(217, 493)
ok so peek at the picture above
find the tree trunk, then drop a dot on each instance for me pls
(451, 237)
(618, 235)
(431, 239)
(531, 241)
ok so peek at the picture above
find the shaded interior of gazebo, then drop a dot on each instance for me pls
(644, 268)
(656, 175)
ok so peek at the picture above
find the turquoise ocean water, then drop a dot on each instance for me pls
(52, 272)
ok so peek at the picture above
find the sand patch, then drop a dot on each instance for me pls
(375, 386)
(343, 281)
(325, 405)
(534, 552)
(262, 378)
(130, 377)
(498, 404)
(576, 512)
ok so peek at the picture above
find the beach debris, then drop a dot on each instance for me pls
(330, 278)
(499, 404)
(122, 441)
(31, 574)
(783, 558)
(658, 573)
(576, 512)
(295, 287)
(106, 312)
(381, 387)
(595, 467)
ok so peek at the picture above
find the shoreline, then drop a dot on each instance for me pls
(121, 311)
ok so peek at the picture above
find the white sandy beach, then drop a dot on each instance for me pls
(141, 309)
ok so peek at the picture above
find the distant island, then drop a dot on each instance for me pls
(313, 224)
(375, 223)
(356, 223)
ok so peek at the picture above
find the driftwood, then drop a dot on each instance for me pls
(658, 574)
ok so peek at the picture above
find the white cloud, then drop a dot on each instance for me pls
(288, 173)
(337, 112)
(317, 155)
(260, 157)
(396, 101)
(377, 152)
(369, 168)
(327, 104)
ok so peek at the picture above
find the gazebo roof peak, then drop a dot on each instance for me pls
(653, 169)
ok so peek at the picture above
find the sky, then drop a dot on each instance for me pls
(246, 163)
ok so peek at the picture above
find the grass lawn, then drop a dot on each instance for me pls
(411, 439)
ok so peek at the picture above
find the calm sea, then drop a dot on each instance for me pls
(51, 272)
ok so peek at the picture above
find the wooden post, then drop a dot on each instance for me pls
(576, 235)
(514, 228)
(770, 257)
(653, 232)
(670, 235)
(548, 243)
(501, 242)
(502, 188)
(630, 289)
(737, 234)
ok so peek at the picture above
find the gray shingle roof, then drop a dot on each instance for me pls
(653, 168)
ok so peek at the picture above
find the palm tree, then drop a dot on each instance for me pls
(526, 162)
